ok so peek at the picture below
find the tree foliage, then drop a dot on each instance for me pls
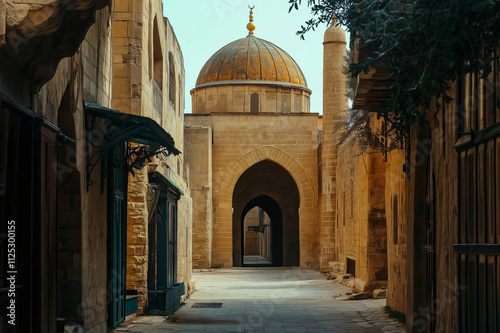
(425, 44)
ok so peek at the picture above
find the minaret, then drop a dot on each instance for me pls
(335, 105)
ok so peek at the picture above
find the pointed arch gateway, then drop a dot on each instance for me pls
(225, 210)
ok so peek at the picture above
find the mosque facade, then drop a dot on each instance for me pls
(262, 167)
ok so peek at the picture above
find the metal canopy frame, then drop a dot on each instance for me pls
(144, 139)
(168, 183)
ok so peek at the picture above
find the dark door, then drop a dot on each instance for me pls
(172, 242)
(479, 203)
(27, 228)
(17, 171)
(430, 255)
(157, 247)
(162, 266)
(47, 230)
(117, 210)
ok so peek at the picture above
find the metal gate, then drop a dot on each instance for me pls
(479, 203)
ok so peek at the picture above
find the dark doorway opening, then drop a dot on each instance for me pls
(270, 232)
(270, 187)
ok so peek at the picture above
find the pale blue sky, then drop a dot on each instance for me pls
(204, 26)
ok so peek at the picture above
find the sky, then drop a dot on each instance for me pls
(205, 26)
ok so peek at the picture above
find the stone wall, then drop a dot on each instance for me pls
(361, 224)
(237, 99)
(251, 237)
(265, 243)
(240, 141)
(82, 214)
(198, 146)
(96, 59)
(185, 242)
(396, 182)
(137, 235)
(144, 44)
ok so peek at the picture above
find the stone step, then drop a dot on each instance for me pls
(380, 293)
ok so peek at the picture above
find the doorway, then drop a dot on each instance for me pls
(262, 233)
(266, 205)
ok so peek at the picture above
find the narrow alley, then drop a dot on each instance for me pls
(269, 300)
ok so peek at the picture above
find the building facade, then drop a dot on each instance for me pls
(148, 80)
(439, 205)
(44, 161)
(75, 165)
(252, 141)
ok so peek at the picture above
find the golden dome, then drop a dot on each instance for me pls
(253, 61)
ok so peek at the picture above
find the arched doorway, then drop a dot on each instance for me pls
(269, 233)
(269, 186)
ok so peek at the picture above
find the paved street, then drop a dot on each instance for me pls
(269, 300)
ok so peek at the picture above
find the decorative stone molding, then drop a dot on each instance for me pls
(273, 154)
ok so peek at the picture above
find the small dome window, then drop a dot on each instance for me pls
(254, 103)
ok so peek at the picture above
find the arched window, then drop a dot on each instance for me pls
(254, 103)
(171, 71)
(157, 56)
(200, 106)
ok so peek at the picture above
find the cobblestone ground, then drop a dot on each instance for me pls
(270, 300)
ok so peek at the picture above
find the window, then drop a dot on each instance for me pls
(351, 267)
(179, 96)
(254, 103)
(395, 218)
(351, 206)
(157, 56)
(200, 106)
(157, 73)
(172, 85)
(222, 103)
(343, 209)
(150, 44)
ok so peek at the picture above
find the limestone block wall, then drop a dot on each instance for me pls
(198, 148)
(81, 214)
(352, 204)
(361, 222)
(240, 141)
(264, 240)
(251, 237)
(185, 242)
(96, 58)
(237, 98)
(142, 43)
(376, 242)
(173, 112)
(137, 235)
(396, 182)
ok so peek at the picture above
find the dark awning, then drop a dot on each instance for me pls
(140, 129)
(121, 128)
(168, 182)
